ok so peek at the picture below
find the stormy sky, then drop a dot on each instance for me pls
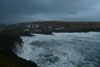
(13, 11)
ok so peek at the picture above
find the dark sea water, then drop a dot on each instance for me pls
(62, 49)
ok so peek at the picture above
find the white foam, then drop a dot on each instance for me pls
(66, 47)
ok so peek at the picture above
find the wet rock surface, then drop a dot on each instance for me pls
(7, 57)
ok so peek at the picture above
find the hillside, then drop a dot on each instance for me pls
(46, 27)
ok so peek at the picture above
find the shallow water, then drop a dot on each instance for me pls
(62, 49)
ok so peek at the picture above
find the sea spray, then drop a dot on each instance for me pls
(63, 49)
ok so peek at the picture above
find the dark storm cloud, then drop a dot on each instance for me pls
(12, 11)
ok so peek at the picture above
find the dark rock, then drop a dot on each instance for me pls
(47, 32)
(7, 57)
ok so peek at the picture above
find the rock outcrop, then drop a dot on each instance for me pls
(7, 57)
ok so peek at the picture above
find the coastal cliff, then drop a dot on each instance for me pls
(7, 57)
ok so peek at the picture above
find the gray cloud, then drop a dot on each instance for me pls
(12, 11)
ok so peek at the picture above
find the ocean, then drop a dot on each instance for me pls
(62, 49)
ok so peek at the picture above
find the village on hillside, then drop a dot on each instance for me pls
(49, 27)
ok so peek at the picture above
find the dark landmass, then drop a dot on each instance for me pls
(59, 26)
(7, 57)
(47, 27)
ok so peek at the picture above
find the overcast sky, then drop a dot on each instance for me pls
(13, 11)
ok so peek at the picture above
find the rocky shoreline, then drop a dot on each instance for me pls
(7, 57)
(9, 35)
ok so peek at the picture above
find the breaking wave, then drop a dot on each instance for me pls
(62, 49)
